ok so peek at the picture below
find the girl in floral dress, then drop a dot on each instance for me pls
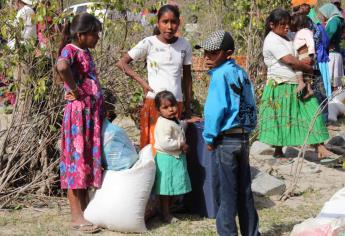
(80, 165)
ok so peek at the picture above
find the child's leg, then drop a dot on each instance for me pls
(227, 166)
(77, 199)
(301, 84)
(74, 197)
(278, 151)
(247, 215)
(310, 91)
(165, 202)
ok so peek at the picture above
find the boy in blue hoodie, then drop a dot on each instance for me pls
(230, 116)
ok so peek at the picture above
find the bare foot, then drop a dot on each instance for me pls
(169, 219)
(323, 152)
(300, 87)
(309, 94)
(84, 226)
(333, 128)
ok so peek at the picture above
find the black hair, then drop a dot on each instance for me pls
(277, 16)
(296, 9)
(156, 31)
(166, 8)
(299, 21)
(81, 24)
(164, 95)
(109, 103)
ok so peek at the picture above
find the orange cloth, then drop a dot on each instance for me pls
(296, 3)
(148, 119)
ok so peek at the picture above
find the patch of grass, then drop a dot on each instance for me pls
(281, 219)
(276, 220)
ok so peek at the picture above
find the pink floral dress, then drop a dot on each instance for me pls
(80, 164)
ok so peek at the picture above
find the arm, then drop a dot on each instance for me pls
(215, 108)
(309, 38)
(187, 88)
(123, 65)
(65, 72)
(296, 64)
(163, 136)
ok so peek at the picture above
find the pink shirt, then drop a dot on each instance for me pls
(304, 37)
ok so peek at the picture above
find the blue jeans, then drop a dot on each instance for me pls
(235, 193)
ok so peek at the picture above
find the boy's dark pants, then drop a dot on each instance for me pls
(235, 193)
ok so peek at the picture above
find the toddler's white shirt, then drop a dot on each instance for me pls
(304, 37)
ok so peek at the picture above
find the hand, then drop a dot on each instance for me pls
(146, 87)
(71, 96)
(210, 147)
(307, 61)
(185, 148)
(194, 119)
(187, 112)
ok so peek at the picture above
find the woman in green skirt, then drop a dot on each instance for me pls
(285, 118)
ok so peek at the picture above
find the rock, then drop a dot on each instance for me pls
(337, 141)
(311, 168)
(290, 152)
(266, 185)
(259, 148)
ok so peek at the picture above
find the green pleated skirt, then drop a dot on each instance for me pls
(171, 175)
(284, 120)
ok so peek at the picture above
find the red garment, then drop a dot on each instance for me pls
(148, 119)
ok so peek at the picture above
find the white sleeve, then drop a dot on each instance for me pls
(187, 60)
(309, 38)
(277, 49)
(140, 50)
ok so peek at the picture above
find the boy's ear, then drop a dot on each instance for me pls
(229, 53)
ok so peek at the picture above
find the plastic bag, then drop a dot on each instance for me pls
(118, 150)
(336, 107)
(320, 227)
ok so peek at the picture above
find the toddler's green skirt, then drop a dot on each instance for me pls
(171, 175)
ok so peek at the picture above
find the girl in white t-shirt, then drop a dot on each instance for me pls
(169, 60)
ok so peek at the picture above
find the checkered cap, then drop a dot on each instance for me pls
(216, 41)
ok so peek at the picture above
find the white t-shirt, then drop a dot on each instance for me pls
(304, 37)
(164, 63)
(25, 14)
(276, 47)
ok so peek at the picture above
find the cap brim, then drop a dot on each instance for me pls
(205, 47)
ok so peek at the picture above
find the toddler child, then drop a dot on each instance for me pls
(171, 174)
(305, 46)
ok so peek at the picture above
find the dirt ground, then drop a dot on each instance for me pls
(50, 216)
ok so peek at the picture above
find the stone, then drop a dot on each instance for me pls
(337, 141)
(290, 151)
(264, 184)
(259, 148)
